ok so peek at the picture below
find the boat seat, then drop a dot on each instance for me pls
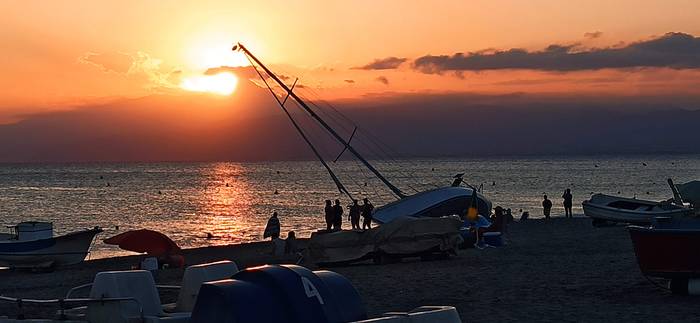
(196, 275)
(136, 284)
(423, 314)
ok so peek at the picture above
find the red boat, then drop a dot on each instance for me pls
(669, 248)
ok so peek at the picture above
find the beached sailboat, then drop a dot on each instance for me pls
(432, 203)
(32, 244)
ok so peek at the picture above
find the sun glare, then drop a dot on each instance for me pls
(222, 83)
(210, 55)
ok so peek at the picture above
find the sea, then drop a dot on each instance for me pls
(232, 201)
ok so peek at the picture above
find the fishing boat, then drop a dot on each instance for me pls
(604, 208)
(442, 201)
(669, 247)
(607, 208)
(32, 244)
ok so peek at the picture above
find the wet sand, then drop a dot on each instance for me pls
(555, 270)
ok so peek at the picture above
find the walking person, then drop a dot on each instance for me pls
(367, 209)
(354, 215)
(329, 215)
(546, 206)
(568, 203)
(337, 216)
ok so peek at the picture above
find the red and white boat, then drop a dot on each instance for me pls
(669, 248)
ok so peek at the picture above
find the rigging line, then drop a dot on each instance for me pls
(320, 99)
(314, 124)
(365, 175)
(367, 178)
(407, 176)
(340, 123)
(327, 114)
(301, 132)
(372, 139)
(383, 155)
(325, 125)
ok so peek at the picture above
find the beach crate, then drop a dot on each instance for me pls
(493, 239)
(279, 293)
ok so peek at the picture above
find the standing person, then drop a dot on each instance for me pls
(366, 213)
(337, 216)
(290, 246)
(546, 206)
(568, 203)
(329, 215)
(354, 215)
(272, 229)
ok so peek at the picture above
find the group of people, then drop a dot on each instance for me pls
(568, 204)
(334, 222)
(334, 215)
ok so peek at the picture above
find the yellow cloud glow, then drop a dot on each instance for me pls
(222, 83)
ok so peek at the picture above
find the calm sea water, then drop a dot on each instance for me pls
(233, 200)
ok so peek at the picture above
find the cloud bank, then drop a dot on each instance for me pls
(672, 50)
(388, 63)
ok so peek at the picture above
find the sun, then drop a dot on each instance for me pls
(222, 83)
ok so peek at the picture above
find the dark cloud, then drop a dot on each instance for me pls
(388, 63)
(383, 80)
(593, 35)
(349, 81)
(673, 50)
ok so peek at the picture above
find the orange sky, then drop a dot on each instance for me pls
(59, 54)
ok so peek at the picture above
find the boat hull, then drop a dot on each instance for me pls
(64, 250)
(433, 203)
(603, 207)
(669, 253)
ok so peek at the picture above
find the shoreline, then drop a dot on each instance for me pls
(552, 270)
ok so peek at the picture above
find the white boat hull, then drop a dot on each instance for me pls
(607, 208)
(433, 203)
(64, 250)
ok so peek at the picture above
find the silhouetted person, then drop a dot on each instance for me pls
(524, 216)
(337, 216)
(290, 246)
(546, 207)
(498, 220)
(568, 203)
(367, 209)
(354, 215)
(272, 229)
(329, 215)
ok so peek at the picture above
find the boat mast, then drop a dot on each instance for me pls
(337, 182)
(328, 128)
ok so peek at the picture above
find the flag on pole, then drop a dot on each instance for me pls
(473, 210)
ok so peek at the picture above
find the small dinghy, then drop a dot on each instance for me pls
(32, 245)
(607, 208)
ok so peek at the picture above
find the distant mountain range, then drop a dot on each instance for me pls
(251, 128)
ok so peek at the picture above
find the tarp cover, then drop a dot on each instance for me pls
(402, 236)
(690, 192)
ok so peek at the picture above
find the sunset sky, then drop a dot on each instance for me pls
(61, 55)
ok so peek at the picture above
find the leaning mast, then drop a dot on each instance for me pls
(328, 128)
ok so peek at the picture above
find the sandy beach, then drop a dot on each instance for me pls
(555, 270)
